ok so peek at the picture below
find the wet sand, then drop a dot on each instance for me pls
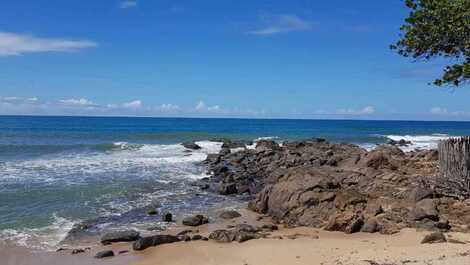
(23, 256)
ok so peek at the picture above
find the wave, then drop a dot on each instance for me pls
(44, 238)
(420, 142)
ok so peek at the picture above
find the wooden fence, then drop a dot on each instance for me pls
(454, 166)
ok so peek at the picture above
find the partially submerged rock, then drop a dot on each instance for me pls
(191, 146)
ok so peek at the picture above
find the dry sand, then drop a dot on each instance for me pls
(314, 247)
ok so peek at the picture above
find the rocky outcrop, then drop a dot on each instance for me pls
(339, 187)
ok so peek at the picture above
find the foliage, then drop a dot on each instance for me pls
(438, 28)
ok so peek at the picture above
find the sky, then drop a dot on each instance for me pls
(216, 58)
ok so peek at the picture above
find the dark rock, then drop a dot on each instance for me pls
(167, 217)
(123, 252)
(228, 189)
(78, 251)
(432, 238)
(104, 254)
(191, 146)
(152, 241)
(197, 238)
(270, 227)
(229, 215)
(196, 220)
(122, 236)
(355, 226)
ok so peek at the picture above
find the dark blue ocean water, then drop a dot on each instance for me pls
(57, 171)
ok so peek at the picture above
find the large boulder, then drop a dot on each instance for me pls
(196, 220)
(121, 236)
(152, 241)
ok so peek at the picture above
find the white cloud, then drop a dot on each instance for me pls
(168, 108)
(12, 44)
(128, 4)
(77, 102)
(18, 100)
(364, 111)
(135, 104)
(275, 24)
(439, 111)
(202, 107)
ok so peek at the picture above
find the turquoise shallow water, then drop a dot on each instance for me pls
(57, 171)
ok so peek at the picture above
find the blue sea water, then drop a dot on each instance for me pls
(58, 171)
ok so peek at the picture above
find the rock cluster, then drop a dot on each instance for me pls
(338, 187)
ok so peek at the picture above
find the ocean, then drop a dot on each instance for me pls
(59, 171)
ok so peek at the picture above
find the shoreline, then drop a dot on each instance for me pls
(344, 185)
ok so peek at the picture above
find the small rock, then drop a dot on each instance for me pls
(152, 212)
(167, 217)
(270, 227)
(196, 220)
(123, 252)
(230, 215)
(104, 254)
(77, 251)
(433, 238)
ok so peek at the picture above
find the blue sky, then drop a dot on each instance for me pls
(217, 58)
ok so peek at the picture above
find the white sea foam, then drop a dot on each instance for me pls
(44, 238)
(165, 157)
(421, 142)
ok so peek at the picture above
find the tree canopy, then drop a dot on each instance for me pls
(438, 28)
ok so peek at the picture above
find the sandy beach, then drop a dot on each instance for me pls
(313, 246)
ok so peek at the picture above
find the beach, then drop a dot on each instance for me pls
(63, 194)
